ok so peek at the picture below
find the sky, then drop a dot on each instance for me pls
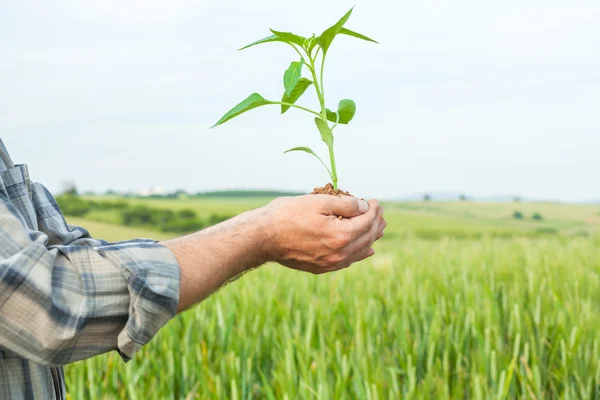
(464, 96)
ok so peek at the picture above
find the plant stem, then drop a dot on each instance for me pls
(318, 89)
(296, 106)
(301, 56)
(322, 68)
(321, 96)
(297, 51)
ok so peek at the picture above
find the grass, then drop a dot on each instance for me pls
(112, 232)
(478, 316)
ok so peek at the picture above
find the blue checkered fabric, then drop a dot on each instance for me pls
(65, 296)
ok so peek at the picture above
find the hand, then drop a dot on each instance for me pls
(308, 236)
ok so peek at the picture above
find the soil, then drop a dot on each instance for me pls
(328, 189)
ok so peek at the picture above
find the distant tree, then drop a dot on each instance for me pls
(110, 192)
(427, 197)
(537, 217)
(73, 205)
(69, 189)
(518, 215)
(217, 219)
(186, 214)
(517, 199)
(462, 197)
(181, 194)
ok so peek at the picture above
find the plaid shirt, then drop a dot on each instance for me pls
(65, 296)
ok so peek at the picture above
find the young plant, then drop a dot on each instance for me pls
(312, 52)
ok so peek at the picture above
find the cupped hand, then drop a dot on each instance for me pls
(307, 235)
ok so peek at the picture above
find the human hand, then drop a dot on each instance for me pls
(307, 235)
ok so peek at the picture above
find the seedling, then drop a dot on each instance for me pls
(313, 52)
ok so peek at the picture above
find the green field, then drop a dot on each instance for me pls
(461, 301)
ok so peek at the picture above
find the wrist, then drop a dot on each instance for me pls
(266, 235)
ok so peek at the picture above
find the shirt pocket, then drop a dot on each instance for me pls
(16, 186)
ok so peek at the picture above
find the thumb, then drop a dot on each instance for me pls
(345, 206)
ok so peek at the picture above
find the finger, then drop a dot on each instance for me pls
(361, 224)
(369, 253)
(345, 206)
(356, 249)
(381, 228)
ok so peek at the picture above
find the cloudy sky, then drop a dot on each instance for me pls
(458, 96)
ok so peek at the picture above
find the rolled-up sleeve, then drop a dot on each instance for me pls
(63, 303)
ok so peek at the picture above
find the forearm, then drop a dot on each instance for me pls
(211, 257)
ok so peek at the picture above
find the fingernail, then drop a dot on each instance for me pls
(363, 206)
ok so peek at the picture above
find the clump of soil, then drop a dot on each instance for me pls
(328, 189)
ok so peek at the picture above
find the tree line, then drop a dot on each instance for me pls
(165, 220)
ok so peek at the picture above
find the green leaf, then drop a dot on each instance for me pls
(309, 151)
(346, 111)
(330, 33)
(292, 76)
(348, 32)
(308, 41)
(268, 39)
(311, 44)
(290, 37)
(331, 115)
(298, 91)
(253, 101)
(326, 134)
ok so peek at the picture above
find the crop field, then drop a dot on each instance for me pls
(462, 300)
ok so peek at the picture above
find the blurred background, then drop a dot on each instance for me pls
(477, 124)
(461, 97)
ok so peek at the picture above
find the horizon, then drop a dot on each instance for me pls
(440, 196)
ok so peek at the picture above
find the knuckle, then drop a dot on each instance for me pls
(335, 259)
(340, 240)
(374, 237)
(375, 203)
(351, 204)
(322, 201)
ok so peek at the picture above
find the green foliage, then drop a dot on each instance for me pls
(251, 102)
(450, 300)
(298, 91)
(215, 219)
(346, 111)
(331, 116)
(292, 76)
(157, 218)
(268, 39)
(165, 220)
(309, 151)
(487, 319)
(330, 33)
(325, 130)
(295, 85)
(186, 213)
(537, 217)
(290, 37)
(348, 32)
(73, 205)
(518, 215)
